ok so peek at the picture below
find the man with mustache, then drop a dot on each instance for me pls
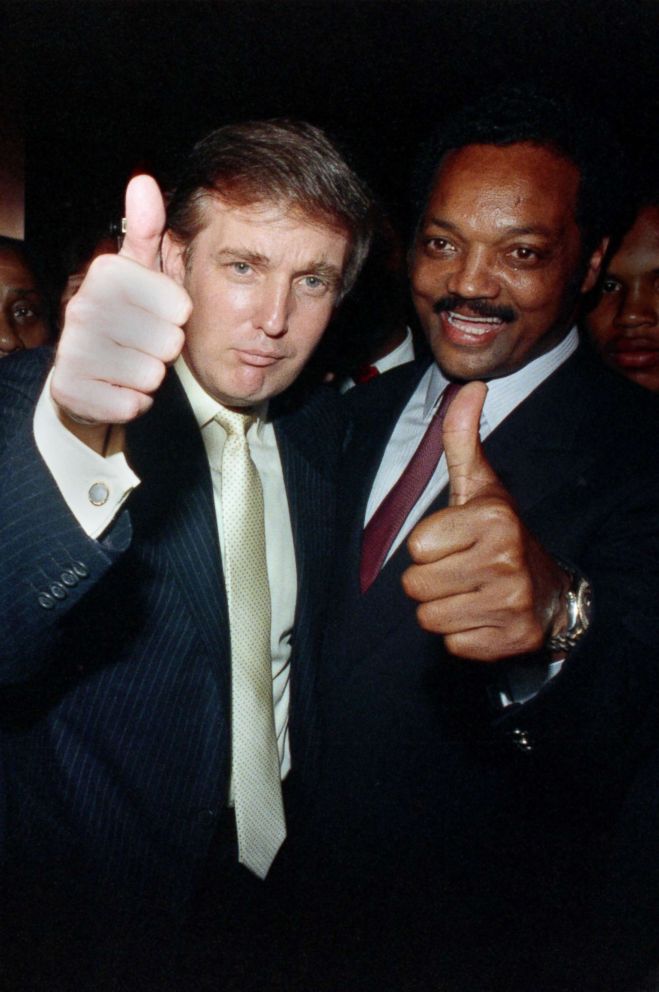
(490, 682)
(167, 574)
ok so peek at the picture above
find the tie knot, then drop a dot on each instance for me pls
(449, 394)
(235, 422)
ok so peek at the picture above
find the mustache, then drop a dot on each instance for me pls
(477, 306)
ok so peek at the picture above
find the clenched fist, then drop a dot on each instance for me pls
(122, 328)
(482, 580)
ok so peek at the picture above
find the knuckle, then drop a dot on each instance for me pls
(102, 267)
(409, 583)
(499, 514)
(173, 344)
(522, 594)
(429, 617)
(525, 637)
(148, 375)
(183, 308)
(129, 405)
(77, 310)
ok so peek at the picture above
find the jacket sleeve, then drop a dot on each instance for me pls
(602, 710)
(49, 563)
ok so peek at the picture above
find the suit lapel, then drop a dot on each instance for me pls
(177, 514)
(375, 410)
(308, 440)
(536, 450)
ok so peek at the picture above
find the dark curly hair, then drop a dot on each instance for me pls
(509, 115)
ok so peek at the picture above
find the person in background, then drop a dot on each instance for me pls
(370, 333)
(24, 318)
(623, 325)
(104, 241)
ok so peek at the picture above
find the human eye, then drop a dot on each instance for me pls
(240, 268)
(524, 255)
(25, 312)
(610, 285)
(437, 245)
(314, 284)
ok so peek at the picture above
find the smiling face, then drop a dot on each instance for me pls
(624, 326)
(497, 265)
(264, 283)
(22, 310)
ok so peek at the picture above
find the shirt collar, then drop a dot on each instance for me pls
(504, 394)
(404, 352)
(204, 406)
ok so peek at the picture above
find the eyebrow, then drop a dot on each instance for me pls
(25, 291)
(242, 254)
(513, 231)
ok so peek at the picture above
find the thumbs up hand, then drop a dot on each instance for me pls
(481, 578)
(122, 327)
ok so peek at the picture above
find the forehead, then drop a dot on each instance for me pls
(14, 271)
(512, 185)
(640, 247)
(267, 221)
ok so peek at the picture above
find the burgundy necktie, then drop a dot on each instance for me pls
(382, 528)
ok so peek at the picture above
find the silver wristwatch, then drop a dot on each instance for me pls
(579, 607)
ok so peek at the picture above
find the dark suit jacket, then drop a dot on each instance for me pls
(450, 826)
(115, 655)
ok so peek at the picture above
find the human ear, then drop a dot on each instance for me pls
(594, 265)
(173, 258)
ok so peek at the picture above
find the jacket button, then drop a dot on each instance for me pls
(58, 591)
(522, 739)
(69, 578)
(45, 600)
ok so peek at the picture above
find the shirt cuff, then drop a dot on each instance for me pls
(93, 487)
(522, 682)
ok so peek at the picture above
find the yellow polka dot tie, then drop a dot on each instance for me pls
(260, 822)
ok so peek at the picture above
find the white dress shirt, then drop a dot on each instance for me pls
(402, 353)
(503, 395)
(79, 472)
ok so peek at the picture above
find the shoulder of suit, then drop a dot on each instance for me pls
(21, 380)
(27, 369)
(386, 389)
(619, 419)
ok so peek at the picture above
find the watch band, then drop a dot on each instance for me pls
(579, 599)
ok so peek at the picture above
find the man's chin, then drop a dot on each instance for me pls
(464, 365)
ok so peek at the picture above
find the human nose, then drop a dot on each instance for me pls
(472, 275)
(274, 310)
(9, 340)
(639, 308)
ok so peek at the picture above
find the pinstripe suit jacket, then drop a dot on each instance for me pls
(115, 658)
(470, 828)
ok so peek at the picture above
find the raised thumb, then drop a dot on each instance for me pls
(468, 469)
(145, 221)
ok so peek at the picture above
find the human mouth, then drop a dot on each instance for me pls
(260, 359)
(462, 329)
(636, 354)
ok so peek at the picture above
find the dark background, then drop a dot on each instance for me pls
(110, 87)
